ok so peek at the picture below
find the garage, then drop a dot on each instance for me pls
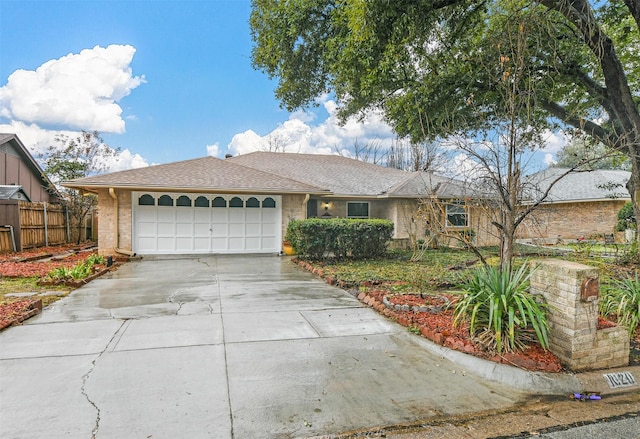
(182, 223)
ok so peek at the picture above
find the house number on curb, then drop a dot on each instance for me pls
(619, 379)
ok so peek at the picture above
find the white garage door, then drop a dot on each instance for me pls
(210, 223)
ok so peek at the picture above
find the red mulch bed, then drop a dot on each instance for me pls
(437, 325)
(28, 263)
(18, 311)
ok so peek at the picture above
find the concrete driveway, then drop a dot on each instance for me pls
(222, 347)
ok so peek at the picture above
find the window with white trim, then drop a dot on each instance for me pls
(357, 209)
(457, 215)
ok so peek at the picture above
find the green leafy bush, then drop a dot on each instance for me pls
(626, 218)
(317, 238)
(500, 310)
(622, 299)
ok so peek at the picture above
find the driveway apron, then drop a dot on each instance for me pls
(222, 347)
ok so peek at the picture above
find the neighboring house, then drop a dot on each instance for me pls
(581, 204)
(243, 204)
(21, 179)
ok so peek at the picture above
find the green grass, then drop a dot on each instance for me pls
(441, 268)
(26, 285)
(432, 272)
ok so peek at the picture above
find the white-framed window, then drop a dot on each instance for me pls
(357, 209)
(457, 215)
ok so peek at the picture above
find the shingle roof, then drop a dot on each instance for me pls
(418, 184)
(341, 175)
(4, 137)
(278, 173)
(16, 145)
(579, 186)
(11, 192)
(203, 174)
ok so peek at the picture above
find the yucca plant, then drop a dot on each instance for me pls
(622, 299)
(500, 310)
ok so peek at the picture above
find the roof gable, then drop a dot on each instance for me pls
(12, 145)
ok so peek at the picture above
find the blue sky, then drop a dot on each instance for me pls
(162, 80)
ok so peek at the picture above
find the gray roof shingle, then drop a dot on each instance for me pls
(203, 174)
(12, 192)
(579, 186)
(279, 173)
(341, 175)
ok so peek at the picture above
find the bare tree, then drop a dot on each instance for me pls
(372, 151)
(76, 157)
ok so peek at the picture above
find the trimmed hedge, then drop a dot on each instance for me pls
(317, 238)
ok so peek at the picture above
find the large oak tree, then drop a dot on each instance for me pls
(434, 66)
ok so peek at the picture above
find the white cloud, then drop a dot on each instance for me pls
(549, 159)
(125, 160)
(213, 150)
(329, 137)
(554, 142)
(36, 139)
(79, 91)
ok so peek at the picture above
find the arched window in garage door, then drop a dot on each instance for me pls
(165, 200)
(219, 202)
(183, 201)
(236, 202)
(269, 202)
(253, 202)
(146, 200)
(201, 202)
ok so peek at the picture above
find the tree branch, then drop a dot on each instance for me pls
(589, 127)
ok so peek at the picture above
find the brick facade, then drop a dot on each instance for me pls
(107, 240)
(572, 220)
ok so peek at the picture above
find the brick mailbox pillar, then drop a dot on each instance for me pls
(572, 293)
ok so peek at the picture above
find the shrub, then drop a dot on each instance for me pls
(626, 218)
(317, 238)
(500, 310)
(622, 299)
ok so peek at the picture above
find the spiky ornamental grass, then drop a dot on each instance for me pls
(500, 309)
(622, 299)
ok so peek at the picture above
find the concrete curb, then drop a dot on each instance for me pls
(539, 383)
(535, 382)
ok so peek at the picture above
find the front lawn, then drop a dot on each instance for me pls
(439, 271)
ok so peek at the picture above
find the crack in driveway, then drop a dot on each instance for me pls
(85, 378)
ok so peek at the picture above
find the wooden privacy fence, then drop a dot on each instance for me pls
(6, 240)
(40, 224)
